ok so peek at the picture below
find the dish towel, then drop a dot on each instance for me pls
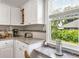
(26, 54)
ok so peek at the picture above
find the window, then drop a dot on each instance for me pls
(65, 29)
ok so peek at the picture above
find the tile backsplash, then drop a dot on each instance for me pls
(39, 35)
(36, 30)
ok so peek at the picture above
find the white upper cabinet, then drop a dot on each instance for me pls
(4, 14)
(16, 18)
(34, 12)
(10, 15)
(40, 12)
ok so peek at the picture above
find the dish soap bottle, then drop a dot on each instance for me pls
(59, 48)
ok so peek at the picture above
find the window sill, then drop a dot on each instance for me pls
(49, 52)
(67, 48)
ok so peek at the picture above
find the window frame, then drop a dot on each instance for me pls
(48, 31)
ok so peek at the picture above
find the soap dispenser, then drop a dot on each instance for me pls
(59, 48)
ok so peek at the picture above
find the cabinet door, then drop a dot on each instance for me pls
(6, 52)
(16, 18)
(4, 14)
(19, 53)
(30, 12)
(34, 12)
(6, 43)
(19, 49)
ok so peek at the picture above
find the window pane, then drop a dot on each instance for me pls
(64, 16)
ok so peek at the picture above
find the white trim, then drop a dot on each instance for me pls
(48, 30)
(46, 19)
(48, 35)
(74, 50)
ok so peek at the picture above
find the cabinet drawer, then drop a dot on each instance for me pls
(6, 43)
(2, 44)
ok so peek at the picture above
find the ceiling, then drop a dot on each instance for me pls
(15, 3)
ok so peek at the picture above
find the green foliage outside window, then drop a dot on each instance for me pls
(68, 35)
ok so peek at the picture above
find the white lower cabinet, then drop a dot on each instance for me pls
(12, 48)
(20, 48)
(6, 49)
(19, 53)
(6, 52)
(6, 43)
(15, 49)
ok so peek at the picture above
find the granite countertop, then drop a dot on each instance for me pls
(25, 40)
(50, 52)
(29, 40)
